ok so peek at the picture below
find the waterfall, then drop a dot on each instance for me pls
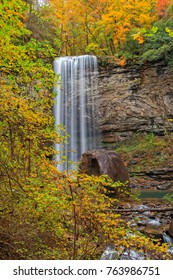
(74, 106)
(167, 239)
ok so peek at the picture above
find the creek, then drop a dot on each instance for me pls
(152, 195)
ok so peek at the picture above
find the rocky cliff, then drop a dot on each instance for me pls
(135, 99)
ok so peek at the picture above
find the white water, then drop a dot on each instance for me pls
(111, 254)
(74, 106)
(167, 239)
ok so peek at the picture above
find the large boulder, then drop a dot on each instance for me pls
(103, 162)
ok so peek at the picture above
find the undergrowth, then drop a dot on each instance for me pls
(144, 152)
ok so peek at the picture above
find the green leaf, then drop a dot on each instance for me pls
(154, 29)
(167, 29)
(171, 34)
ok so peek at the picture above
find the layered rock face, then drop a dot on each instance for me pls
(138, 99)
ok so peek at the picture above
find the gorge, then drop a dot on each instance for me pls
(48, 209)
(130, 101)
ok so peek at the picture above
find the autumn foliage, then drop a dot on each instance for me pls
(44, 213)
(99, 26)
(162, 6)
(107, 27)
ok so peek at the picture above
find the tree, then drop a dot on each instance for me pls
(76, 25)
(99, 27)
(162, 7)
(26, 100)
(121, 17)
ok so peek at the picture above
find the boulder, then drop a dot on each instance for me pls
(104, 162)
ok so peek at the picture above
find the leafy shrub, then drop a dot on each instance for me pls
(169, 198)
(150, 45)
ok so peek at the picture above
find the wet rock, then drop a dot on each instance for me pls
(164, 186)
(153, 223)
(141, 223)
(161, 174)
(103, 162)
(161, 179)
(111, 254)
(143, 207)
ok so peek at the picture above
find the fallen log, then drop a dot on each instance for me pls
(142, 210)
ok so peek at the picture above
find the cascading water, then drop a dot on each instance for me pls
(74, 106)
(167, 239)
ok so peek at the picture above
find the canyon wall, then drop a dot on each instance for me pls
(134, 99)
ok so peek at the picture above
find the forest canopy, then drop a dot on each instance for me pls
(119, 28)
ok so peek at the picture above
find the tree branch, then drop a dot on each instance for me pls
(142, 210)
